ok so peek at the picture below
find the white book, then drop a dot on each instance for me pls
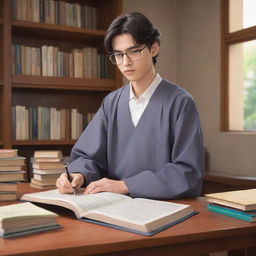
(43, 172)
(25, 218)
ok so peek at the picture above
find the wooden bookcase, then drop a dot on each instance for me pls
(85, 94)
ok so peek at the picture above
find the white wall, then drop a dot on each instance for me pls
(163, 16)
(190, 56)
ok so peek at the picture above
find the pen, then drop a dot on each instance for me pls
(69, 178)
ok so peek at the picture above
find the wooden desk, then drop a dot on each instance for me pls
(203, 233)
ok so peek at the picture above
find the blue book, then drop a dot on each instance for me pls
(249, 216)
(138, 215)
(46, 123)
(34, 123)
(18, 68)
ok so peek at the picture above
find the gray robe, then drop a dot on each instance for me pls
(162, 157)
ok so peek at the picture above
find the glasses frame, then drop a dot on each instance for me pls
(127, 54)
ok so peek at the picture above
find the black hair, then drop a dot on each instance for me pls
(135, 24)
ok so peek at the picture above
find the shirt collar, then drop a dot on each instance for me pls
(149, 91)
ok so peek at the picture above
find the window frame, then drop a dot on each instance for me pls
(228, 39)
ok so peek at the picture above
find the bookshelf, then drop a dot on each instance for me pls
(1, 75)
(84, 93)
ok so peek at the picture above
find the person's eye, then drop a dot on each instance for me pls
(134, 51)
(118, 55)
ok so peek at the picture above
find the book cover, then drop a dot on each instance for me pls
(12, 176)
(46, 177)
(8, 153)
(240, 199)
(249, 216)
(48, 165)
(12, 161)
(42, 183)
(48, 154)
(8, 187)
(8, 196)
(138, 215)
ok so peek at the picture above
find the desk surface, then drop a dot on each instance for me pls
(205, 232)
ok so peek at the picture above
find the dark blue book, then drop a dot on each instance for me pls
(34, 123)
(46, 123)
(18, 68)
(249, 216)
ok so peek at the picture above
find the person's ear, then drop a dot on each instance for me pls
(155, 49)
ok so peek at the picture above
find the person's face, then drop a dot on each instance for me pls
(142, 67)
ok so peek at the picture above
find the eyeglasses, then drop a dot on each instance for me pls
(133, 54)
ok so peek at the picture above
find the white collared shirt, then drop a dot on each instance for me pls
(138, 105)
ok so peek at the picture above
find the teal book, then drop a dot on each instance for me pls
(249, 216)
(46, 123)
(138, 215)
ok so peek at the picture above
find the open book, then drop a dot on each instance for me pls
(139, 215)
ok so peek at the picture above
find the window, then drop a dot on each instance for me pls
(238, 65)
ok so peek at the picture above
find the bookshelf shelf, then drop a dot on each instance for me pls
(42, 142)
(63, 93)
(56, 32)
(64, 83)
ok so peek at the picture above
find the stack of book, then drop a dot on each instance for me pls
(11, 171)
(47, 166)
(240, 204)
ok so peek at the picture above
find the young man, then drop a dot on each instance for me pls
(146, 139)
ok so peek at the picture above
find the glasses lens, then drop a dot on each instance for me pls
(134, 54)
(113, 59)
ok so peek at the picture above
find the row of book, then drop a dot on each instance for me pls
(47, 123)
(47, 165)
(50, 61)
(11, 172)
(55, 12)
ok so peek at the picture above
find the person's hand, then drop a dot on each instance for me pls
(107, 185)
(65, 187)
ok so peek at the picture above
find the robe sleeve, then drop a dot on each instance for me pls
(88, 156)
(182, 176)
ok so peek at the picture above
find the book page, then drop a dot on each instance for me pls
(80, 203)
(140, 210)
(23, 210)
(141, 214)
